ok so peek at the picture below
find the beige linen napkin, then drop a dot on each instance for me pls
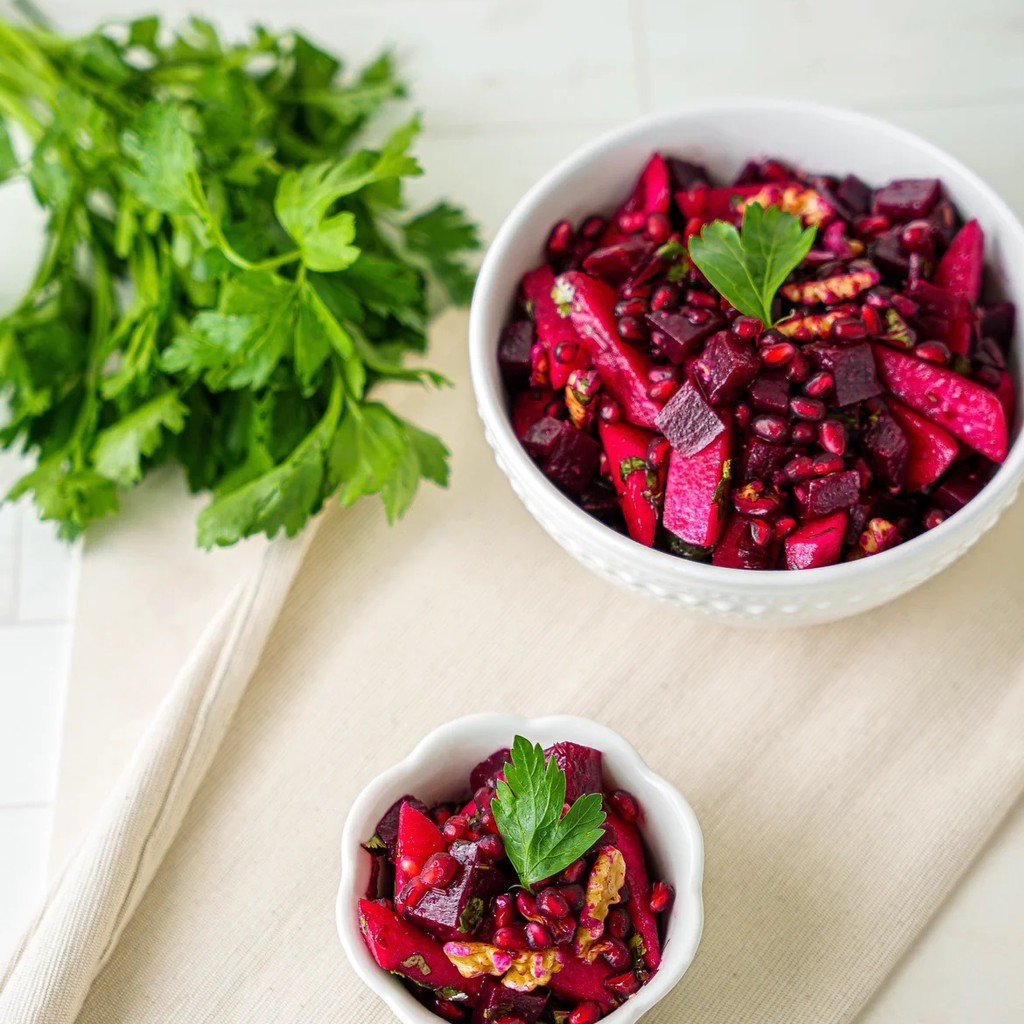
(845, 775)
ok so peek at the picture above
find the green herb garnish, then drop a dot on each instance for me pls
(528, 812)
(229, 271)
(748, 267)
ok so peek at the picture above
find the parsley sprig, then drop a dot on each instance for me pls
(229, 272)
(539, 841)
(748, 267)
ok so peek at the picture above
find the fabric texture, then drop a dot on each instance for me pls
(845, 776)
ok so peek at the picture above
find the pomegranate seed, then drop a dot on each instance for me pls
(832, 437)
(820, 385)
(827, 463)
(989, 376)
(916, 236)
(873, 225)
(799, 369)
(455, 828)
(487, 822)
(512, 938)
(662, 895)
(803, 433)
(636, 291)
(526, 905)
(573, 896)
(604, 467)
(934, 517)
(593, 227)
(563, 929)
(566, 352)
(624, 804)
(439, 871)
(615, 953)
(770, 428)
(609, 410)
(697, 297)
(539, 936)
(849, 330)
(905, 307)
(747, 328)
(697, 316)
(504, 909)
(662, 391)
(665, 296)
(551, 903)
(412, 892)
(761, 534)
(934, 352)
(657, 228)
(574, 872)
(585, 1013)
(409, 866)
(632, 328)
(777, 355)
(473, 835)
(440, 815)
(631, 223)
(784, 526)
(772, 337)
(743, 413)
(630, 307)
(807, 408)
(449, 1010)
(872, 321)
(878, 297)
(658, 452)
(624, 984)
(799, 468)
(492, 847)
(619, 923)
(561, 240)
(660, 373)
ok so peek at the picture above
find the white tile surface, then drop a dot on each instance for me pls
(509, 89)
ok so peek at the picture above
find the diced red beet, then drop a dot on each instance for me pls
(580, 982)
(514, 351)
(418, 839)
(684, 175)
(908, 198)
(625, 837)
(635, 482)
(527, 408)
(689, 423)
(852, 192)
(582, 767)
(961, 265)
(890, 257)
(760, 459)
(961, 486)
(854, 370)
(736, 549)
(697, 491)
(832, 493)
(456, 912)
(967, 410)
(623, 368)
(541, 438)
(602, 502)
(716, 203)
(403, 949)
(488, 771)
(619, 260)
(941, 301)
(931, 450)
(726, 366)
(564, 348)
(1007, 395)
(574, 460)
(770, 393)
(816, 543)
(887, 448)
(997, 322)
(496, 1002)
(683, 338)
(385, 835)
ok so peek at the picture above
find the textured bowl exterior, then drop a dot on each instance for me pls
(439, 766)
(723, 137)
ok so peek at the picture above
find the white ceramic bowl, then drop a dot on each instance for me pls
(439, 767)
(723, 137)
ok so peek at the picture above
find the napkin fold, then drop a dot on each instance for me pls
(845, 775)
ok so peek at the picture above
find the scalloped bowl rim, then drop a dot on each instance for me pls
(673, 817)
(649, 561)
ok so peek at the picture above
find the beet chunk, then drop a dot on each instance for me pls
(582, 767)
(514, 352)
(498, 1003)
(385, 835)
(574, 459)
(726, 367)
(681, 338)
(908, 198)
(888, 449)
(854, 193)
(689, 423)
(854, 370)
(835, 492)
(770, 394)
(487, 771)
(541, 438)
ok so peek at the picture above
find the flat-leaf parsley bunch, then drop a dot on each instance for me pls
(228, 272)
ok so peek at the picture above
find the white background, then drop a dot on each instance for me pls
(509, 87)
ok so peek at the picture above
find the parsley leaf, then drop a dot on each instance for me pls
(539, 841)
(749, 267)
(229, 272)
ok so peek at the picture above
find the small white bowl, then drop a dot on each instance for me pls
(439, 768)
(723, 137)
